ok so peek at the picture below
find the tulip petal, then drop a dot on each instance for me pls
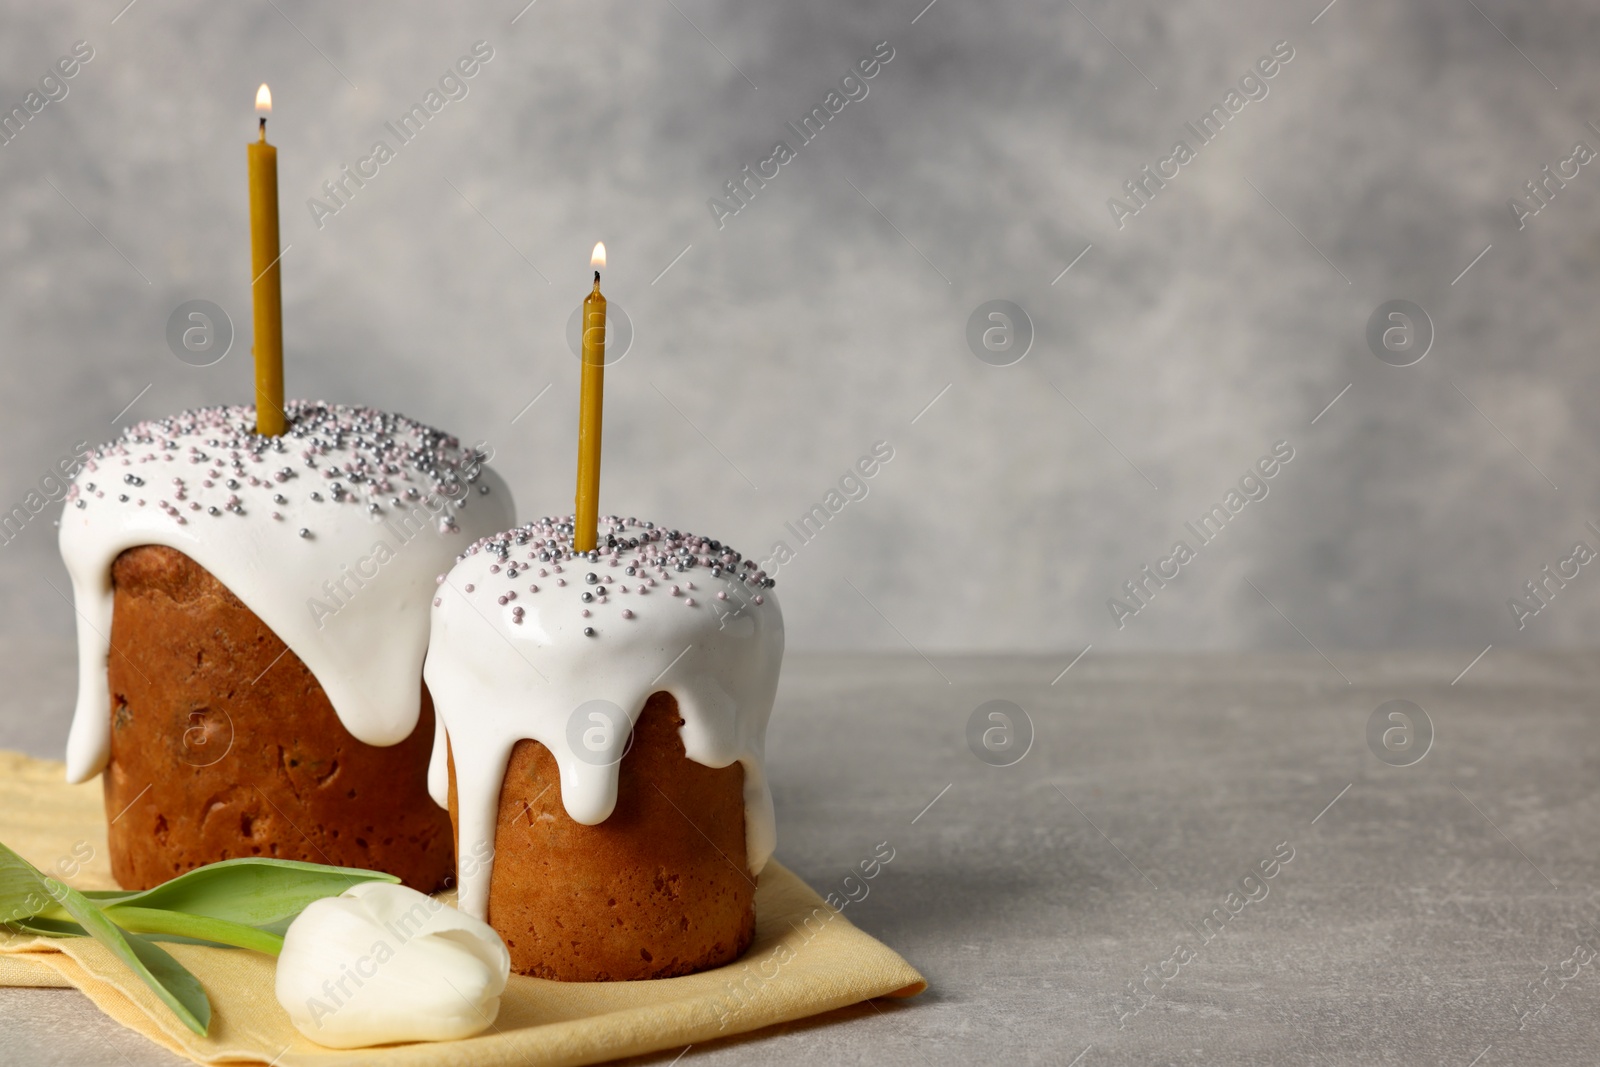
(384, 964)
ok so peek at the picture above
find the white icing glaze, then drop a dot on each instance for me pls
(502, 668)
(352, 479)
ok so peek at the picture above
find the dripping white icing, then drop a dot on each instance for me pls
(205, 484)
(502, 668)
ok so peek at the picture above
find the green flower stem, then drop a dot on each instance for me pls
(157, 921)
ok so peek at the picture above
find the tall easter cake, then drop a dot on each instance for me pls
(252, 622)
(603, 722)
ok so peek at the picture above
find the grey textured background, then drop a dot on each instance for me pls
(778, 349)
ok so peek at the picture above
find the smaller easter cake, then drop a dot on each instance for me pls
(602, 722)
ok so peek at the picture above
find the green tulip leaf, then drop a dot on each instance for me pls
(23, 887)
(171, 980)
(250, 892)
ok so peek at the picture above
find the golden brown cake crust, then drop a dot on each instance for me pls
(223, 745)
(660, 889)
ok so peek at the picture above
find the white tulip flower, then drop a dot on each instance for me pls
(383, 964)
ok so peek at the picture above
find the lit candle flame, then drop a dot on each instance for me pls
(263, 99)
(598, 259)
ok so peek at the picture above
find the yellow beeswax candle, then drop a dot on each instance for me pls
(591, 400)
(266, 293)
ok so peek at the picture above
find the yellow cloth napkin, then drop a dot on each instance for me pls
(807, 958)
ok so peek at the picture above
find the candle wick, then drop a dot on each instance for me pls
(597, 277)
(263, 127)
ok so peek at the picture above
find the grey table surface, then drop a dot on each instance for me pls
(1433, 913)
